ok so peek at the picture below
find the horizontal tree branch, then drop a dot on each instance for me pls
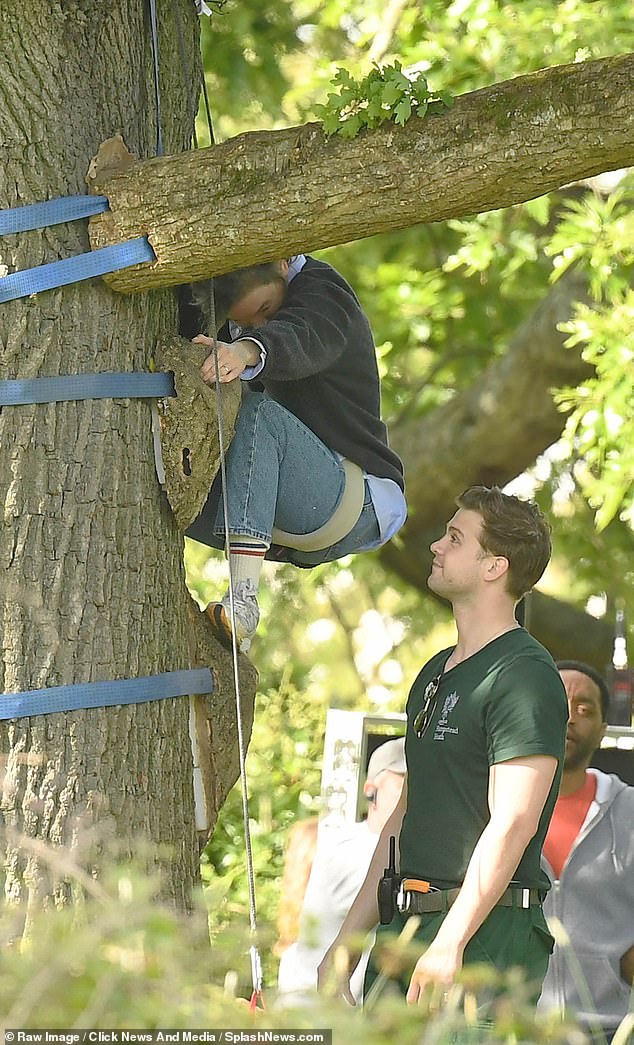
(493, 430)
(265, 195)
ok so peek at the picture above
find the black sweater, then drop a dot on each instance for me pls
(321, 365)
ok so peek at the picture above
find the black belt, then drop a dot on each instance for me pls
(413, 899)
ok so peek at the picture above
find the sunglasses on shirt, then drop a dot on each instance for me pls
(430, 699)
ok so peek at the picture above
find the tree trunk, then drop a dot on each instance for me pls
(92, 577)
(265, 195)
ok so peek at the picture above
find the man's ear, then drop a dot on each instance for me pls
(498, 565)
(284, 266)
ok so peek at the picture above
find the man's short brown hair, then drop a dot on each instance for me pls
(513, 528)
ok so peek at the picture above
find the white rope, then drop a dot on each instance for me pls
(256, 964)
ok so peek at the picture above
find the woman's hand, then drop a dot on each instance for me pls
(233, 359)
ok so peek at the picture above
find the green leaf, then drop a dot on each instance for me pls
(398, 78)
(350, 128)
(403, 111)
(374, 112)
(342, 76)
(420, 89)
(391, 93)
(330, 121)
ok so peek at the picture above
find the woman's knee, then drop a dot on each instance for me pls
(259, 408)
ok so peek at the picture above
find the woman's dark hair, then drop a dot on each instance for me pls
(231, 286)
(515, 529)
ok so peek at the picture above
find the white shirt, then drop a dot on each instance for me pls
(341, 862)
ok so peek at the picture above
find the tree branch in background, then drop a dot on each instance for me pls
(491, 432)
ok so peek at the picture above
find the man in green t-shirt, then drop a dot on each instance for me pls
(486, 726)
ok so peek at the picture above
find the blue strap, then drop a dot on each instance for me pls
(72, 270)
(106, 694)
(51, 212)
(86, 386)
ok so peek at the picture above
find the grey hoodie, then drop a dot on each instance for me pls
(594, 901)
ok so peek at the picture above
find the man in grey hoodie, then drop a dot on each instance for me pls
(589, 855)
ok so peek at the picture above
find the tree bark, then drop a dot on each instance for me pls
(265, 195)
(92, 583)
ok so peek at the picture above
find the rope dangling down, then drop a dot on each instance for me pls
(257, 997)
(256, 964)
(157, 85)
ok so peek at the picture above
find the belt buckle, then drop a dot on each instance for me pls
(526, 899)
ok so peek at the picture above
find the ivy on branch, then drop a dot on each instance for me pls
(386, 93)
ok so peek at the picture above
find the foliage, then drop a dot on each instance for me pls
(598, 234)
(270, 64)
(386, 93)
(283, 768)
(121, 960)
(118, 960)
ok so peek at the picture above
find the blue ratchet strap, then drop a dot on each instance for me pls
(70, 387)
(73, 270)
(51, 212)
(106, 694)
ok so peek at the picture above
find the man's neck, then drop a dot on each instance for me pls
(478, 626)
(572, 780)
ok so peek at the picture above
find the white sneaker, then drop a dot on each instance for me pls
(246, 613)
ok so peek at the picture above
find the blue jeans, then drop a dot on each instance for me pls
(279, 473)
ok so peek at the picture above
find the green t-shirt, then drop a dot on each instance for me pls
(506, 701)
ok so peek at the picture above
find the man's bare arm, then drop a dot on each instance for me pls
(518, 790)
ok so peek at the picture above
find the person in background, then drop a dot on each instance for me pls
(298, 861)
(340, 865)
(589, 854)
(309, 469)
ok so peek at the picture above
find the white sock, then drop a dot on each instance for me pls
(246, 556)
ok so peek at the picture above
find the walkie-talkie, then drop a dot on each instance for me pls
(388, 886)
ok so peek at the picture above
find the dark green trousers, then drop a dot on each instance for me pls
(509, 938)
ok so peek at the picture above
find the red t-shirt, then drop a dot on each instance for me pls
(568, 816)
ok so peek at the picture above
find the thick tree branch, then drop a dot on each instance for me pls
(265, 195)
(490, 433)
(568, 632)
(493, 430)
